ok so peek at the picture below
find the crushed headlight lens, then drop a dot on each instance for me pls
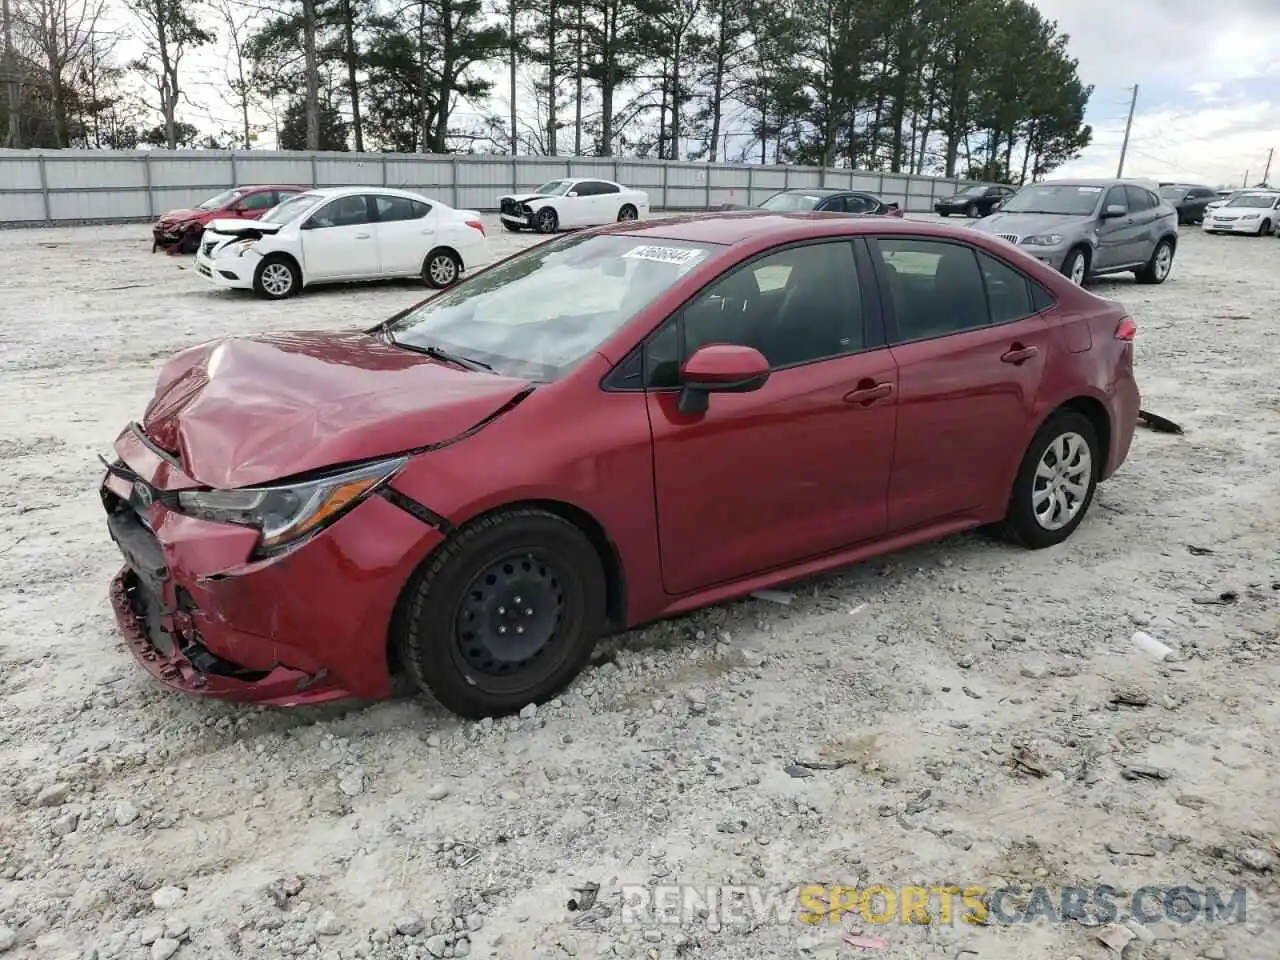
(241, 247)
(286, 514)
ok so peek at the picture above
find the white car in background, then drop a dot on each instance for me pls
(338, 234)
(1249, 211)
(562, 204)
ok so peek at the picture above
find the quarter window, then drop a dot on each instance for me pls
(1139, 199)
(936, 287)
(794, 306)
(1008, 295)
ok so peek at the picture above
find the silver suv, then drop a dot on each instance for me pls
(1088, 228)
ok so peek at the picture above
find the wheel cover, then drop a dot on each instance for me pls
(442, 269)
(1062, 481)
(510, 616)
(628, 213)
(546, 219)
(277, 279)
(1077, 270)
(1164, 261)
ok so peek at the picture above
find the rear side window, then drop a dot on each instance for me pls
(936, 287)
(399, 208)
(1008, 293)
(1041, 298)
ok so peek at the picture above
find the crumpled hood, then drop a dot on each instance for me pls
(525, 197)
(181, 216)
(245, 411)
(1028, 224)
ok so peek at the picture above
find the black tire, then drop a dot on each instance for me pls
(441, 269)
(266, 279)
(1151, 272)
(1265, 229)
(1020, 525)
(973, 211)
(546, 221)
(628, 212)
(190, 242)
(944, 213)
(512, 227)
(1069, 265)
(540, 552)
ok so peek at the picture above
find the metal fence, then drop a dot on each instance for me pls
(39, 187)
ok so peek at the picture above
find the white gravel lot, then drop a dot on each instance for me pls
(136, 823)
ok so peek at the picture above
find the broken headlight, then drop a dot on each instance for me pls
(241, 247)
(289, 513)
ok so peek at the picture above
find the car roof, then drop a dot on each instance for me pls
(258, 187)
(348, 191)
(744, 226)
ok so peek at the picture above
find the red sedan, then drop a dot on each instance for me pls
(179, 231)
(608, 428)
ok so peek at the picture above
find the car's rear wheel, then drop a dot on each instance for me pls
(276, 278)
(547, 221)
(628, 212)
(441, 269)
(1055, 483)
(1076, 267)
(973, 211)
(503, 614)
(1158, 267)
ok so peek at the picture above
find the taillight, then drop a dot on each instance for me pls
(477, 225)
(1127, 329)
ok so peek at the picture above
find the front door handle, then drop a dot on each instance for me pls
(362, 236)
(868, 393)
(1019, 354)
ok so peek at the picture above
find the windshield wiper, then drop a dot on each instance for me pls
(440, 353)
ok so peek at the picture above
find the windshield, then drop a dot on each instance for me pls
(1173, 193)
(553, 188)
(1063, 199)
(291, 208)
(1258, 201)
(539, 313)
(791, 202)
(221, 200)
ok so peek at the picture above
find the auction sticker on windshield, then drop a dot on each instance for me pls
(676, 255)
(1089, 189)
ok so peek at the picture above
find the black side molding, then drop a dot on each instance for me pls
(415, 509)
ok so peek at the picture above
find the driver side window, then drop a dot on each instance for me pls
(794, 306)
(343, 212)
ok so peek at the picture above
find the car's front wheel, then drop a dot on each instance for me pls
(276, 278)
(503, 614)
(547, 221)
(1076, 267)
(1055, 483)
(973, 211)
(1265, 229)
(191, 240)
(512, 227)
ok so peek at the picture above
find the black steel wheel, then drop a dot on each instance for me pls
(503, 614)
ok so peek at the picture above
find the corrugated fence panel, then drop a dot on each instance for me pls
(71, 186)
(169, 171)
(18, 172)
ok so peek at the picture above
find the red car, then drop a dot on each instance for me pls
(179, 231)
(608, 428)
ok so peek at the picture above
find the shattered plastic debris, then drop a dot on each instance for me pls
(868, 943)
(584, 896)
(1149, 644)
(1158, 423)
(1115, 937)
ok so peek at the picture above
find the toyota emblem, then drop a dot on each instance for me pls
(143, 492)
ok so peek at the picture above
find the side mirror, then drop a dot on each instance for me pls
(719, 368)
(1114, 210)
(572, 193)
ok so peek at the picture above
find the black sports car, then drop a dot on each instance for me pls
(829, 200)
(976, 201)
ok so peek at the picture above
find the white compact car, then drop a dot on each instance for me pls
(337, 234)
(561, 204)
(1249, 211)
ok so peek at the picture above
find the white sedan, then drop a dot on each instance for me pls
(561, 204)
(338, 234)
(1253, 211)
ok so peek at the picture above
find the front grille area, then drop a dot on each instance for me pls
(208, 246)
(509, 206)
(1011, 237)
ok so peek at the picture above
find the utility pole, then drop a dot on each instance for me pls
(1244, 181)
(1127, 127)
(1266, 173)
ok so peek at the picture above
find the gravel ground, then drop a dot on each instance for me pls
(987, 716)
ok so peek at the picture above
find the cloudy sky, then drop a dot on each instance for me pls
(1208, 73)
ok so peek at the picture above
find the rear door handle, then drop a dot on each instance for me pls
(1019, 354)
(867, 395)
(362, 236)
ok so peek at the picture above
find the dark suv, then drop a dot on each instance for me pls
(1189, 199)
(975, 201)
